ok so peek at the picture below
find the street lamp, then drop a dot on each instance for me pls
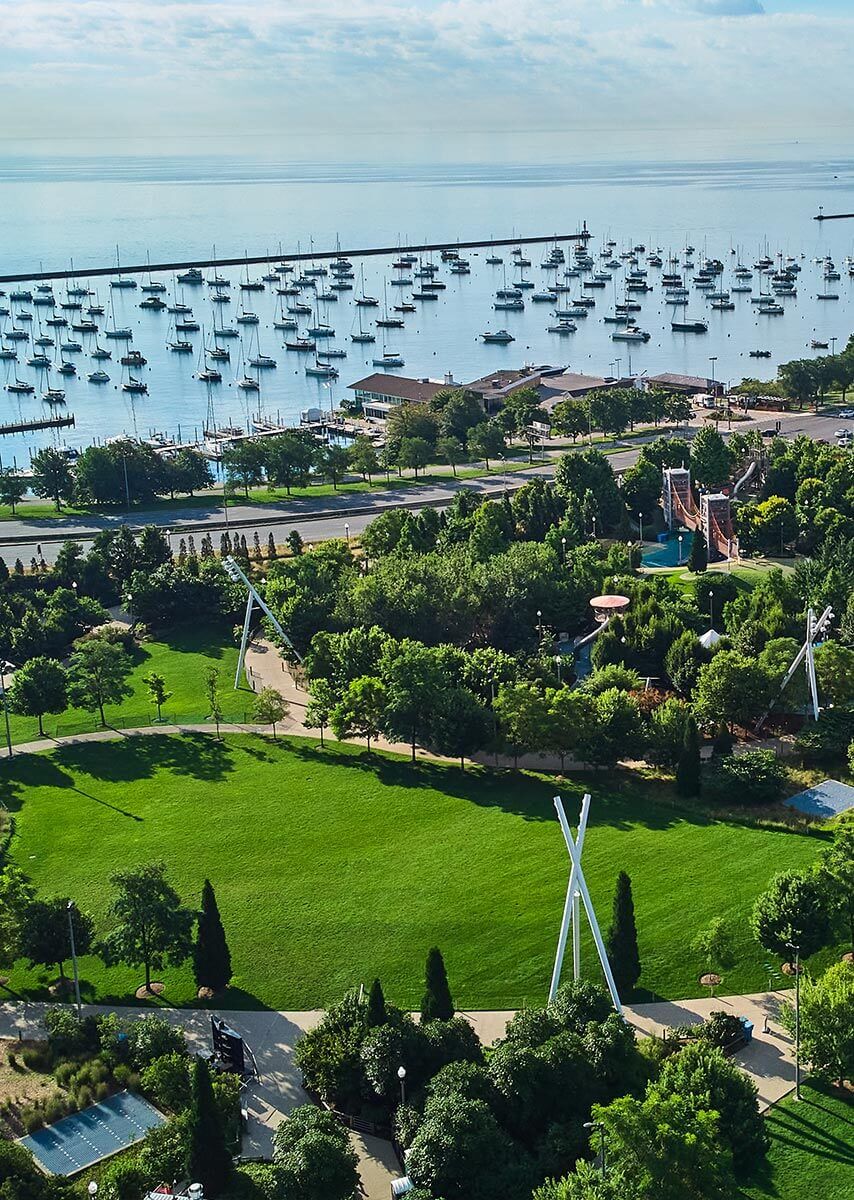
(597, 1126)
(559, 664)
(594, 529)
(4, 667)
(797, 950)
(347, 532)
(563, 544)
(640, 527)
(70, 910)
(540, 623)
(401, 1074)
(92, 1188)
(679, 540)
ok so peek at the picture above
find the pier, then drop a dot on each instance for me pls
(822, 216)
(41, 423)
(313, 256)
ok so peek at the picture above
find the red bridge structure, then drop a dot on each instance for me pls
(714, 516)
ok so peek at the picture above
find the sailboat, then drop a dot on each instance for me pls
(121, 281)
(387, 322)
(363, 337)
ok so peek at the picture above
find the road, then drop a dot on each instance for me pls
(327, 516)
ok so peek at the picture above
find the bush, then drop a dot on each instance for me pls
(32, 1119)
(755, 777)
(37, 1058)
(64, 1072)
(84, 1097)
(719, 1029)
(54, 1108)
(166, 1082)
(826, 740)
(66, 1034)
(123, 1180)
(138, 1042)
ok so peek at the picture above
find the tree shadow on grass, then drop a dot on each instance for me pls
(523, 794)
(197, 755)
(797, 1127)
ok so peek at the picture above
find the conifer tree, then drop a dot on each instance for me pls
(208, 1159)
(211, 956)
(621, 944)
(698, 559)
(437, 1004)
(688, 766)
(377, 1014)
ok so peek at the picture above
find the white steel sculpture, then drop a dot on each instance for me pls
(253, 597)
(577, 892)
(815, 627)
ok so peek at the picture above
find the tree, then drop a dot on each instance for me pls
(37, 688)
(13, 488)
(698, 559)
(333, 462)
(189, 471)
(827, 1022)
(451, 449)
(834, 668)
(486, 441)
(208, 1159)
(211, 955)
(642, 487)
(459, 1150)
(792, 912)
(45, 938)
(213, 697)
(270, 708)
(700, 1073)
(458, 724)
(16, 896)
(609, 409)
(414, 452)
(621, 942)
(244, 463)
(437, 1004)
(313, 1157)
(153, 927)
(318, 711)
(157, 692)
(363, 457)
(361, 710)
(731, 688)
(98, 673)
(571, 418)
(52, 476)
(714, 945)
(688, 770)
(376, 1013)
(290, 457)
(668, 1148)
(836, 871)
(711, 460)
(522, 714)
(461, 414)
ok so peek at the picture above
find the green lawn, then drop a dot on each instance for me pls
(812, 1149)
(182, 661)
(332, 867)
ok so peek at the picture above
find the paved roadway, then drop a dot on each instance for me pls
(326, 517)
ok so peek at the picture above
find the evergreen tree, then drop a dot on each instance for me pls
(621, 944)
(208, 1159)
(211, 956)
(377, 1014)
(688, 767)
(698, 559)
(437, 1005)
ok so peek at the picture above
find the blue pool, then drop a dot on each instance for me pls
(667, 553)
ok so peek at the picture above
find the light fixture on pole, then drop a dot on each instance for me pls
(598, 1127)
(92, 1188)
(679, 540)
(70, 911)
(559, 664)
(540, 624)
(401, 1074)
(640, 527)
(4, 667)
(797, 964)
(576, 893)
(236, 574)
(347, 532)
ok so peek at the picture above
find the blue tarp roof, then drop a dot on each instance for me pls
(827, 799)
(98, 1131)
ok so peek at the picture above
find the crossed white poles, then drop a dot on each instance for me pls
(236, 574)
(577, 892)
(815, 627)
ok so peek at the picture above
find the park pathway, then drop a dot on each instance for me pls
(272, 1036)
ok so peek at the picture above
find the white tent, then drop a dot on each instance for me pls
(709, 639)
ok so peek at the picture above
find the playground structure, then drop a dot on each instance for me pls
(577, 892)
(714, 515)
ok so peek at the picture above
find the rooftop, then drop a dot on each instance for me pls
(686, 383)
(502, 383)
(399, 387)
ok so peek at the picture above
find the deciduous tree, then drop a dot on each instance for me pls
(152, 927)
(39, 687)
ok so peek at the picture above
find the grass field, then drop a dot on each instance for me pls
(812, 1149)
(182, 661)
(332, 867)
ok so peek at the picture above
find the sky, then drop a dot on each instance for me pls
(180, 70)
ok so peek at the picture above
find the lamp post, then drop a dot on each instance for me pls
(70, 910)
(540, 624)
(4, 667)
(711, 610)
(559, 664)
(594, 529)
(347, 532)
(679, 540)
(597, 1126)
(92, 1189)
(797, 951)
(401, 1074)
(640, 527)
(563, 545)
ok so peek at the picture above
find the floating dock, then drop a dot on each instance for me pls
(42, 423)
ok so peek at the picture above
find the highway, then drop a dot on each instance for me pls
(327, 516)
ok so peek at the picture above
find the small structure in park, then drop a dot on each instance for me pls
(577, 892)
(605, 607)
(253, 597)
(714, 516)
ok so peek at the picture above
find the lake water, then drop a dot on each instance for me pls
(63, 202)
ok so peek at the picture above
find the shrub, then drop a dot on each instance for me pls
(138, 1042)
(32, 1119)
(166, 1082)
(37, 1058)
(827, 739)
(719, 1029)
(64, 1072)
(123, 1074)
(54, 1108)
(123, 1180)
(755, 777)
(102, 1091)
(84, 1096)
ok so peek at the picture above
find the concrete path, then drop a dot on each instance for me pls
(769, 1059)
